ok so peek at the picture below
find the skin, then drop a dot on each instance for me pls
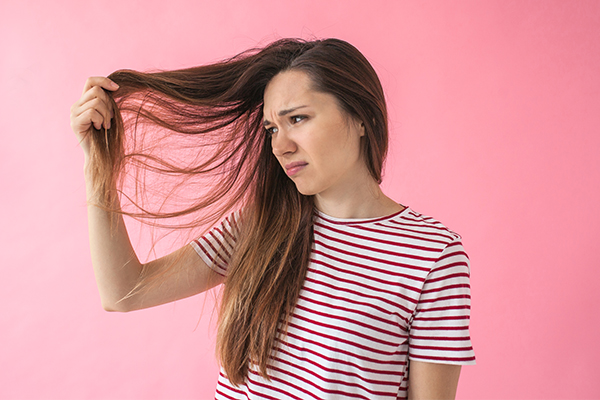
(307, 128)
(432, 381)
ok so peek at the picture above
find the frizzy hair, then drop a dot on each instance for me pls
(221, 105)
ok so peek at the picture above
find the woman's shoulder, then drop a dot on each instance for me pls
(406, 223)
(427, 225)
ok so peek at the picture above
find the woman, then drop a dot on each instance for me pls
(330, 286)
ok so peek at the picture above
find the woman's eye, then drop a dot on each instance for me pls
(297, 118)
(271, 131)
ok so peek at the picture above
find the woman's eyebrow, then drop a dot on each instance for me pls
(283, 113)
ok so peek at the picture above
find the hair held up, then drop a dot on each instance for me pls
(218, 107)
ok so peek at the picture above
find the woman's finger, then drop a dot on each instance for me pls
(82, 126)
(94, 111)
(94, 92)
(100, 103)
(97, 98)
(84, 121)
(100, 81)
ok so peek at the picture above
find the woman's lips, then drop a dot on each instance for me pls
(294, 167)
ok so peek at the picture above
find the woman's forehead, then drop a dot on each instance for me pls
(285, 88)
(291, 90)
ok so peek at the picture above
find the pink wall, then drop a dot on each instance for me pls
(495, 113)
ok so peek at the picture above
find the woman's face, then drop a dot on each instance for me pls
(314, 140)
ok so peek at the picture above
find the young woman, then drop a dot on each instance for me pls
(331, 288)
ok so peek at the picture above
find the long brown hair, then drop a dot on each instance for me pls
(220, 105)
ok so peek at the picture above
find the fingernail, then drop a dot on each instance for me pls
(113, 84)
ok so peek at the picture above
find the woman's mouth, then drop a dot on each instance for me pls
(294, 167)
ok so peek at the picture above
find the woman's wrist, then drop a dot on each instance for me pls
(87, 169)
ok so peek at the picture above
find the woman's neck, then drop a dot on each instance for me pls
(365, 200)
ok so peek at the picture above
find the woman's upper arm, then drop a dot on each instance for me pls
(178, 275)
(432, 381)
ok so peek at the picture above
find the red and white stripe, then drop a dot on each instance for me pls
(377, 293)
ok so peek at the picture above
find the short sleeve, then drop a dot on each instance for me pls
(216, 246)
(439, 330)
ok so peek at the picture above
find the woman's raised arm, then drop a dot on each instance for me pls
(116, 266)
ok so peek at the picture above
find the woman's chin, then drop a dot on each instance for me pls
(305, 190)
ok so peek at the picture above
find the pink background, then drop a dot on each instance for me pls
(494, 108)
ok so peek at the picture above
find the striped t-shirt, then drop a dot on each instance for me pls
(378, 293)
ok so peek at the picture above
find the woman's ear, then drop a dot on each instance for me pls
(356, 125)
(362, 128)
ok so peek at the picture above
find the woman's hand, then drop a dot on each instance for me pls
(93, 107)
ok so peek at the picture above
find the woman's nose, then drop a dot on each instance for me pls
(282, 143)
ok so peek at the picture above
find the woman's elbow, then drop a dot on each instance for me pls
(115, 306)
